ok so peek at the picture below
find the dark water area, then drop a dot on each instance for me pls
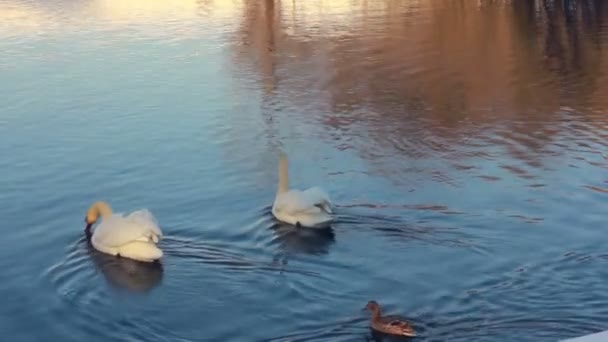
(465, 144)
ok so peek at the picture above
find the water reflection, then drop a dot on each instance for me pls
(294, 240)
(380, 337)
(435, 82)
(125, 273)
(462, 139)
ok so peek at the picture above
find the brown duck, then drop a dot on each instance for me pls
(392, 325)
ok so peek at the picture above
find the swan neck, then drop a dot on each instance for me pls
(101, 209)
(283, 176)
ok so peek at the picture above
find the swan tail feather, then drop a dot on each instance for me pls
(142, 251)
(325, 206)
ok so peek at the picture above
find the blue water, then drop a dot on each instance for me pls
(465, 145)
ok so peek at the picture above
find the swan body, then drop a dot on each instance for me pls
(310, 208)
(132, 236)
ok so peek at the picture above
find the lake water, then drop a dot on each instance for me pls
(465, 144)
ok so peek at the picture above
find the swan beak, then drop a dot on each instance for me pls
(88, 227)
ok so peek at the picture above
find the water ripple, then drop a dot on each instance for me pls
(462, 141)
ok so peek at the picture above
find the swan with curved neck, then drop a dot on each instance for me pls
(310, 208)
(96, 210)
(133, 236)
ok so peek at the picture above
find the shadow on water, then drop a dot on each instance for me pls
(295, 240)
(380, 337)
(125, 273)
(120, 273)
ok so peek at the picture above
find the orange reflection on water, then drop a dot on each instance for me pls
(423, 77)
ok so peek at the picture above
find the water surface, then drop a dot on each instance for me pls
(465, 144)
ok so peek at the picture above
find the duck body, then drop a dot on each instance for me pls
(132, 236)
(311, 208)
(391, 325)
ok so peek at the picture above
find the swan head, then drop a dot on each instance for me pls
(97, 209)
(91, 218)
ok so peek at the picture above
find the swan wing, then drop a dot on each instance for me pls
(320, 198)
(296, 202)
(118, 230)
(145, 218)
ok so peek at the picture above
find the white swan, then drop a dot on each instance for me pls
(133, 236)
(309, 208)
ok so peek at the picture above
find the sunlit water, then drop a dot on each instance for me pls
(465, 144)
